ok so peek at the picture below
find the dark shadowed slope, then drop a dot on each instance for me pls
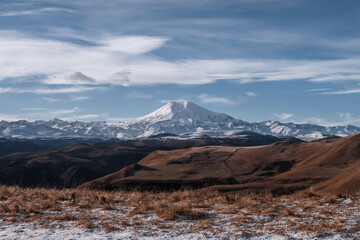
(14, 145)
(79, 163)
(281, 167)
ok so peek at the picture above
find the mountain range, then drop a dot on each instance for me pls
(173, 120)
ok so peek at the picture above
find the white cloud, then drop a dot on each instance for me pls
(122, 60)
(283, 116)
(51, 99)
(6, 90)
(9, 117)
(70, 114)
(120, 78)
(338, 77)
(69, 99)
(118, 119)
(323, 122)
(133, 44)
(62, 90)
(345, 115)
(347, 119)
(251, 94)
(317, 90)
(35, 11)
(75, 64)
(319, 121)
(74, 78)
(41, 113)
(41, 91)
(341, 92)
(79, 98)
(60, 112)
(52, 113)
(210, 99)
(85, 116)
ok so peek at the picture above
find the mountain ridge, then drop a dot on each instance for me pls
(186, 120)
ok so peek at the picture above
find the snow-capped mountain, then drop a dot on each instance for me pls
(185, 119)
(180, 118)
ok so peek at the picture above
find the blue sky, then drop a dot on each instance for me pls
(293, 61)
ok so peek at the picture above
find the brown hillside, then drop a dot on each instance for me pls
(79, 163)
(281, 167)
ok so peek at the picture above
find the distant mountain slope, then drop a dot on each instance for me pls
(184, 119)
(76, 164)
(282, 167)
(15, 145)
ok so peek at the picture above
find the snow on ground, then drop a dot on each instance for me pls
(64, 214)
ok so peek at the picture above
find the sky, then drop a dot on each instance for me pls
(256, 60)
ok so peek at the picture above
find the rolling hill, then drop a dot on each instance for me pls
(282, 167)
(78, 163)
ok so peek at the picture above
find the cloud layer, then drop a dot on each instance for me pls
(125, 60)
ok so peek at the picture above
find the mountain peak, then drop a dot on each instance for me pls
(183, 111)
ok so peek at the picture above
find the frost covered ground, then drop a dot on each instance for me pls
(75, 214)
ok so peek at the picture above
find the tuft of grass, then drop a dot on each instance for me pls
(86, 224)
(65, 217)
(181, 210)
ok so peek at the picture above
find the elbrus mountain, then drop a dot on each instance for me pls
(173, 120)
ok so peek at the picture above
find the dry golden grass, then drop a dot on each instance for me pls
(86, 224)
(112, 211)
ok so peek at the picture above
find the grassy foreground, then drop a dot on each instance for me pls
(186, 210)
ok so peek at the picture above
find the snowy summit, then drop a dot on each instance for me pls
(185, 111)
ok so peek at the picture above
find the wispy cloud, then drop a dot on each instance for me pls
(62, 90)
(349, 118)
(42, 113)
(133, 44)
(251, 94)
(79, 98)
(73, 78)
(85, 116)
(283, 116)
(10, 118)
(109, 62)
(43, 91)
(61, 112)
(324, 122)
(341, 92)
(346, 115)
(69, 114)
(68, 99)
(118, 119)
(211, 99)
(316, 90)
(338, 77)
(6, 90)
(52, 100)
(35, 11)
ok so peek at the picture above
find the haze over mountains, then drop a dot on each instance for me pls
(184, 120)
